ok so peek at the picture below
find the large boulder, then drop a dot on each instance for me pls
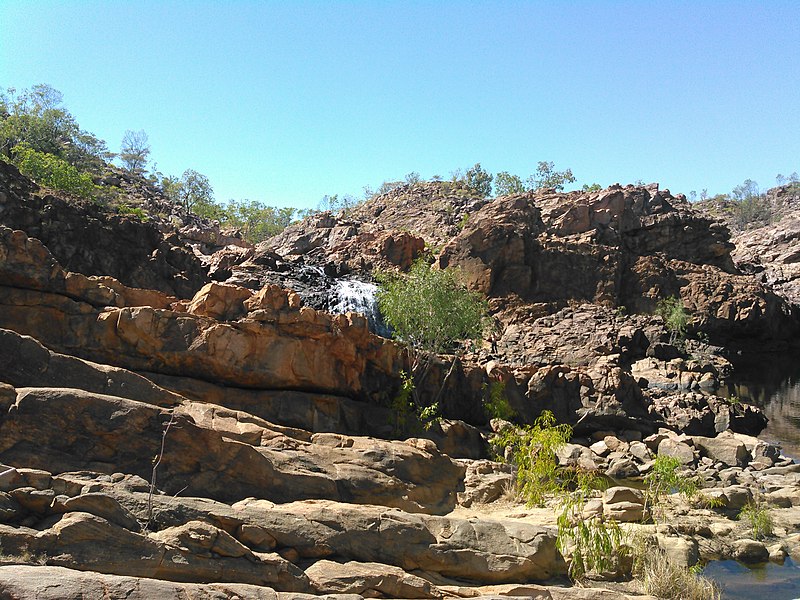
(220, 453)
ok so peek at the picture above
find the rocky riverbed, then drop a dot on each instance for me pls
(179, 419)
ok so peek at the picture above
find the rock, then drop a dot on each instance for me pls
(784, 497)
(203, 539)
(624, 504)
(86, 239)
(212, 462)
(219, 301)
(640, 451)
(370, 580)
(679, 450)
(484, 551)
(681, 551)
(95, 544)
(724, 448)
(10, 509)
(600, 448)
(622, 468)
(58, 583)
(572, 455)
(750, 551)
(100, 505)
(24, 362)
(486, 481)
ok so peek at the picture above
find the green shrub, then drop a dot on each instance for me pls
(533, 449)
(758, 516)
(134, 211)
(664, 479)
(593, 544)
(675, 317)
(50, 171)
(497, 406)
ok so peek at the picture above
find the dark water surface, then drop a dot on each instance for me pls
(773, 383)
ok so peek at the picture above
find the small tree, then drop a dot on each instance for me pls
(675, 317)
(134, 150)
(479, 180)
(193, 192)
(431, 312)
(506, 183)
(547, 177)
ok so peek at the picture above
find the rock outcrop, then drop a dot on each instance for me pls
(184, 419)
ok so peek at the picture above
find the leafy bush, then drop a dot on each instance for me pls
(430, 311)
(479, 180)
(37, 118)
(591, 544)
(757, 514)
(256, 220)
(135, 211)
(664, 478)
(675, 317)
(497, 406)
(533, 449)
(53, 172)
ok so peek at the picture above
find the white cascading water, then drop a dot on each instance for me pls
(358, 296)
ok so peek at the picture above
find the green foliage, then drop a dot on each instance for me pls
(533, 449)
(497, 406)
(595, 187)
(36, 118)
(505, 184)
(135, 211)
(547, 177)
(746, 205)
(429, 415)
(412, 178)
(53, 172)
(134, 151)
(256, 220)
(675, 317)
(664, 478)
(463, 222)
(406, 412)
(403, 405)
(592, 544)
(758, 516)
(430, 309)
(193, 192)
(479, 180)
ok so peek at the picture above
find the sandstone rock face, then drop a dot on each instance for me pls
(88, 240)
(57, 583)
(222, 454)
(220, 437)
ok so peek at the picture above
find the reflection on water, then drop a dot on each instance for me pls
(776, 582)
(773, 383)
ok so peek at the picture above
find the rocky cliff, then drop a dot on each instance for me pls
(179, 418)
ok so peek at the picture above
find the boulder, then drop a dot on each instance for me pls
(725, 448)
(371, 580)
(227, 458)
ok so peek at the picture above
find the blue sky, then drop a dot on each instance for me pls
(284, 102)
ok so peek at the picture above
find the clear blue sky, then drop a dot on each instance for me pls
(286, 101)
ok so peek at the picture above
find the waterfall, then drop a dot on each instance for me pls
(358, 296)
